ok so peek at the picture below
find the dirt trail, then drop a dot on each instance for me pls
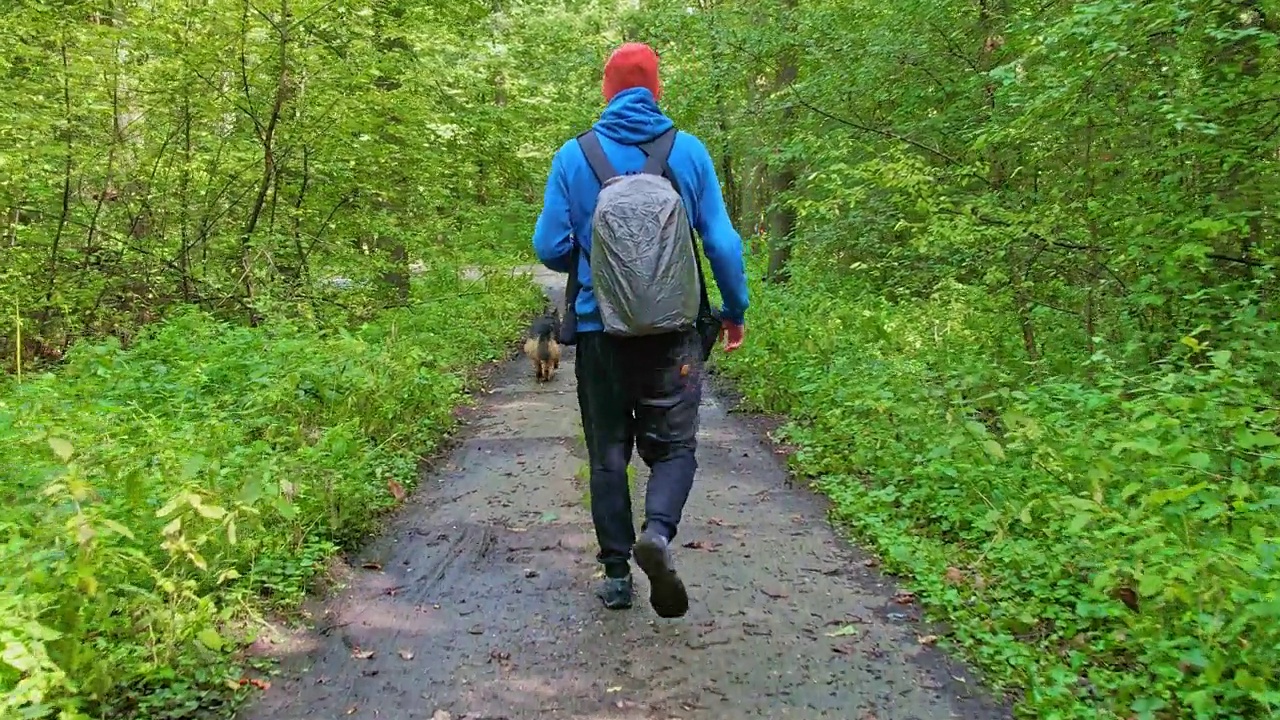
(483, 606)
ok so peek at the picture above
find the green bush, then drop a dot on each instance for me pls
(1106, 541)
(155, 496)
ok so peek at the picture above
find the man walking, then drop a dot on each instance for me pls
(620, 202)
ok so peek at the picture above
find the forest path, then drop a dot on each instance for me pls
(478, 602)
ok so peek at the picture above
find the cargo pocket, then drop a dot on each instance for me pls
(667, 412)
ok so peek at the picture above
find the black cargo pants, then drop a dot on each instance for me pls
(642, 392)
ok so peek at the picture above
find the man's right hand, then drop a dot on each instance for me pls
(731, 335)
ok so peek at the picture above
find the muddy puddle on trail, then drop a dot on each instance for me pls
(478, 601)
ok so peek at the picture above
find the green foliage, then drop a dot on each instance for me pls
(1030, 512)
(242, 225)
(235, 156)
(1029, 333)
(157, 497)
(1028, 344)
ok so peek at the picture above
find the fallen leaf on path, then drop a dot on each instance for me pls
(359, 654)
(352, 710)
(715, 521)
(614, 689)
(844, 649)
(260, 684)
(844, 631)
(702, 545)
(476, 629)
(406, 654)
(775, 593)
(904, 597)
(397, 490)
(954, 575)
(927, 639)
(441, 715)
(371, 565)
(871, 563)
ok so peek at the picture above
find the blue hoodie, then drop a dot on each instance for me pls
(633, 118)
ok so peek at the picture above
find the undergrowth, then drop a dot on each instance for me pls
(1104, 542)
(157, 498)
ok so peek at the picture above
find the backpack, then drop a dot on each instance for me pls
(644, 260)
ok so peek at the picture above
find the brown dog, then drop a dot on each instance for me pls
(543, 350)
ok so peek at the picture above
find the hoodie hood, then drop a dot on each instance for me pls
(633, 117)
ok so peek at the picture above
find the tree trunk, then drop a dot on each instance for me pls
(782, 221)
(270, 173)
(991, 13)
(392, 250)
(733, 200)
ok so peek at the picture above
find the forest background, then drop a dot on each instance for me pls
(1013, 286)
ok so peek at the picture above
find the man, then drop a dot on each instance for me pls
(639, 390)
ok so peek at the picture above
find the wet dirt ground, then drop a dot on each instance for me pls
(478, 600)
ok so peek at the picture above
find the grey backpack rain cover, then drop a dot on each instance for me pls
(645, 274)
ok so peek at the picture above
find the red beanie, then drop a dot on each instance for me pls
(632, 65)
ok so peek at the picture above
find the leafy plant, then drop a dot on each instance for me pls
(158, 496)
(1021, 321)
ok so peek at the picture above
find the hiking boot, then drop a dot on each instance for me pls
(615, 593)
(666, 591)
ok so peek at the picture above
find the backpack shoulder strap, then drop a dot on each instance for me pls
(658, 151)
(596, 158)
